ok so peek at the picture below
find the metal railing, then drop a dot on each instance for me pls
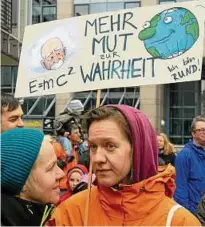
(108, 95)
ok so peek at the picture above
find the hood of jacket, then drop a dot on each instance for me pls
(199, 150)
(144, 142)
(146, 194)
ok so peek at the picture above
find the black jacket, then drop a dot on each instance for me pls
(19, 212)
(166, 159)
(201, 211)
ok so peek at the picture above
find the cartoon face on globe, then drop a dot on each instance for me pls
(170, 33)
(53, 54)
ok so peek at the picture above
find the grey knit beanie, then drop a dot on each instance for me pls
(19, 150)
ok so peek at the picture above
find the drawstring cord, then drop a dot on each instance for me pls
(45, 214)
(89, 195)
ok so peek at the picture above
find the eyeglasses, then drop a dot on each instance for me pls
(200, 130)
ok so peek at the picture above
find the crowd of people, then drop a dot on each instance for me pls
(136, 176)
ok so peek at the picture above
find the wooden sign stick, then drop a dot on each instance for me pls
(87, 208)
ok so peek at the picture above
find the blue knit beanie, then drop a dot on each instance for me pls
(19, 150)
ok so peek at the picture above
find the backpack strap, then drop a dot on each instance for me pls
(171, 214)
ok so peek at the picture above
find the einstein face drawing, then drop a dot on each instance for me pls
(53, 54)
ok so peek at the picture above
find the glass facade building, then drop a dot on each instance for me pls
(83, 8)
(183, 105)
(44, 10)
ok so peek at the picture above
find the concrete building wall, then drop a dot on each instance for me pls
(23, 18)
(64, 10)
(61, 101)
(149, 2)
(152, 104)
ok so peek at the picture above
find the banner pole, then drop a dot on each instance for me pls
(87, 208)
(98, 98)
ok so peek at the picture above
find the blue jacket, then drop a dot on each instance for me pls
(190, 176)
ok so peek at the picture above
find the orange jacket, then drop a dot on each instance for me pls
(70, 165)
(59, 150)
(140, 204)
(61, 155)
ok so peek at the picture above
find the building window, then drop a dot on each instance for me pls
(43, 11)
(184, 106)
(166, 1)
(36, 15)
(49, 2)
(49, 13)
(8, 78)
(80, 8)
(42, 107)
(172, 1)
(97, 8)
(113, 6)
(14, 13)
(129, 5)
(183, 0)
(6, 15)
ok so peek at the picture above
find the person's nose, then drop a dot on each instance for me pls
(99, 156)
(56, 58)
(59, 173)
(20, 123)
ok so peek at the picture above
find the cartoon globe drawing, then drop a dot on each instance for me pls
(170, 33)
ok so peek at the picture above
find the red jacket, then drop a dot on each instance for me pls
(68, 193)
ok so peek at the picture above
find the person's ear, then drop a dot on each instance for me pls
(25, 188)
(193, 134)
(29, 183)
(23, 191)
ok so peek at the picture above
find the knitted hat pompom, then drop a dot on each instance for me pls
(19, 150)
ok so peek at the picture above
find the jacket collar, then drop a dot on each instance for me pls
(137, 200)
(198, 149)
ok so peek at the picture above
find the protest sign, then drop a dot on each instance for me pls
(146, 45)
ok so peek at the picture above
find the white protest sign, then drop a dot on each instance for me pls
(146, 45)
